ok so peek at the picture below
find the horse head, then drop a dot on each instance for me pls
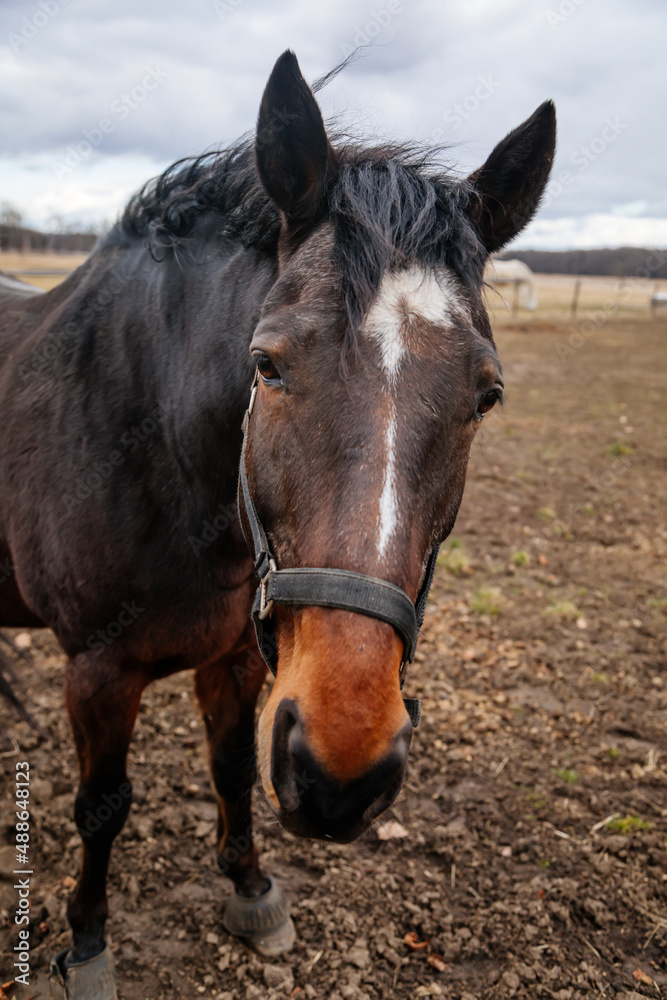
(376, 364)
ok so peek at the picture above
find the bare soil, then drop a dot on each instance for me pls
(535, 861)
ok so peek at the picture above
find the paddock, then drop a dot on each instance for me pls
(526, 855)
(515, 283)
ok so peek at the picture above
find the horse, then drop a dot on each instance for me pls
(234, 439)
(519, 275)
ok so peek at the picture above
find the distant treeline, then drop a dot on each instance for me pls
(624, 262)
(20, 238)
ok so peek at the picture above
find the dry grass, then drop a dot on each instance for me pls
(604, 297)
(17, 263)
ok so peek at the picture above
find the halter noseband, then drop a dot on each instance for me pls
(327, 588)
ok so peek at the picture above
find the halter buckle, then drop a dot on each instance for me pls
(265, 607)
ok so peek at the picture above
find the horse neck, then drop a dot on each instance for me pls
(211, 305)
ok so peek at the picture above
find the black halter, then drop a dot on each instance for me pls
(328, 588)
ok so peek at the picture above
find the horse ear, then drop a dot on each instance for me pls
(511, 182)
(295, 160)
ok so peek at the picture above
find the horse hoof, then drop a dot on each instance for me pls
(93, 979)
(262, 921)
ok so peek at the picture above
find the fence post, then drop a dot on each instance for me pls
(575, 297)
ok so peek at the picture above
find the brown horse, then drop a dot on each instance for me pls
(349, 279)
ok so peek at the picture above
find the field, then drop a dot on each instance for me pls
(534, 857)
(555, 291)
(601, 297)
(18, 264)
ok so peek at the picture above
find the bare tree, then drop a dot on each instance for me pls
(10, 216)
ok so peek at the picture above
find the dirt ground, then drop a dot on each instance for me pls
(535, 860)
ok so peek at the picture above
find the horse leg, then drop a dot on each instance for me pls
(102, 697)
(227, 692)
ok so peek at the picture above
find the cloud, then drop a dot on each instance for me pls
(65, 67)
(591, 231)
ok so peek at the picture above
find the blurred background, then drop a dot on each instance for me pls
(172, 79)
(99, 97)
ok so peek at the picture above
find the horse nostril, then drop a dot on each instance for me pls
(402, 745)
(402, 742)
(315, 804)
(388, 775)
(282, 771)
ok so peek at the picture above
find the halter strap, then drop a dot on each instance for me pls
(329, 588)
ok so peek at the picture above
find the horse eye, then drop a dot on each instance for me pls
(487, 402)
(267, 369)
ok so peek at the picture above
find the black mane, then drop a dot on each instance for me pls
(165, 210)
(390, 205)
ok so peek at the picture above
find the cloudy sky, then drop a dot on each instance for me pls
(96, 96)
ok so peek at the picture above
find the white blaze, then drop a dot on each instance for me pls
(404, 298)
(388, 518)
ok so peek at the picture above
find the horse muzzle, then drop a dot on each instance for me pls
(311, 802)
